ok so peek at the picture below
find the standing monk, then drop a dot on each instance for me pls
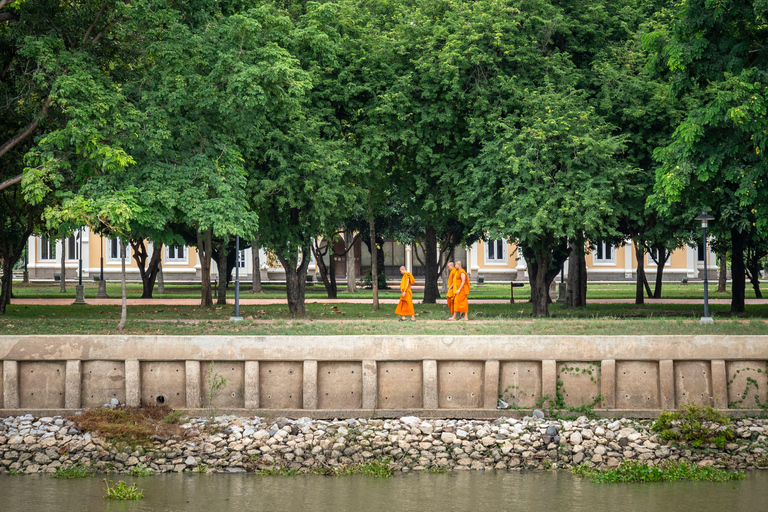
(449, 296)
(461, 290)
(405, 306)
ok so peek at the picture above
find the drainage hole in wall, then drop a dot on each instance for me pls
(449, 373)
(160, 400)
(290, 372)
(353, 371)
(233, 394)
(270, 371)
(449, 398)
(411, 369)
(269, 396)
(412, 396)
(473, 373)
(326, 394)
(387, 371)
(472, 394)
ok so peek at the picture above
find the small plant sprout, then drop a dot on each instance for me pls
(122, 491)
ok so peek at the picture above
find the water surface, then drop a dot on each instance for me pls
(480, 491)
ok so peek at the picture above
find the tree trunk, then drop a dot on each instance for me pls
(160, 279)
(256, 264)
(296, 280)
(753, 271)
(124, 304)
(539, 285)
(149, 272)
(431, 267)
(738, 278)
(349, 247)
(663, 255)
(63, 284)
(722, 276)
(221, 266)
(204, 252)
(7, 281)
(374, 257)
(326, 271)
(576, 295)
(640, 281)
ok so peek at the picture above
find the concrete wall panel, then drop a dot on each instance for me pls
(280, 385)
(742, 376)
(580, 382)
(102, 381)
(163, 382)
(2, 404)
(520, 382)
(339, 385)
(42, 384)
(400, 385)
(637, 385)
(233, 392)
(693, 384)
(459, 384)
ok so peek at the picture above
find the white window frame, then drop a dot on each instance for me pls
(502, 260)
(241, 259)
(108, 242)
(606, 262)
(76, 240)
(649, 259)
(52, 245)
(175, 261)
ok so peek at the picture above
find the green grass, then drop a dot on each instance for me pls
(354, 319)
(633, 471)
(73, 471)
(317, 291)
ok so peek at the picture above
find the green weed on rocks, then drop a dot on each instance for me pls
(633, 471)
(695, 425)
(73, 471)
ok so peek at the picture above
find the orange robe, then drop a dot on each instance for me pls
(460, 302)
(450, 295)
(405, 306)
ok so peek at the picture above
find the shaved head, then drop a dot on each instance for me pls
(458, 264)
(450, 264)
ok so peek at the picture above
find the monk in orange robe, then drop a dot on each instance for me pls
(461, 291)
(450, 295)
(405, 306)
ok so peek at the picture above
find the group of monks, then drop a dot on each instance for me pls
(458, 290)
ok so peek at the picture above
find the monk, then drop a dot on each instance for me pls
(405, 306)
(461, 291)
(449, 296)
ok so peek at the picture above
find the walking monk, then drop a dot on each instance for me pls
(405, 306)
(449, 296)
(461, 290)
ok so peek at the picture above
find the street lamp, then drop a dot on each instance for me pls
(102, 293)
(79, 290)
(237, 317)
(705, 217)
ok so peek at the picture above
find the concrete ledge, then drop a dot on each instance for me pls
(386, 413)
(385, 376)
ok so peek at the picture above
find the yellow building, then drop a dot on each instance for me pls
(494, 260)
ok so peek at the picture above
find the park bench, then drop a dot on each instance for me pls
(512, 287)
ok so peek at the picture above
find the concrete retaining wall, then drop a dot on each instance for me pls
(385, 375)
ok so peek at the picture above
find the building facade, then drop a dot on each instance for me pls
(494, 260)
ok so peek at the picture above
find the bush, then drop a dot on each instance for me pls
(382, 280)
(695, 425)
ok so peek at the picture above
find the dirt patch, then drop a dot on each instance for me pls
(131, 425)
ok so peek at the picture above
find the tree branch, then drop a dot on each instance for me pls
(24, 133)
(98, 15)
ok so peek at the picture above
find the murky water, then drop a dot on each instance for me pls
(475, 491)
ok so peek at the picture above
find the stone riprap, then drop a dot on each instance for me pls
(40, 445)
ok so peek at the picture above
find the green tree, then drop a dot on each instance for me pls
(715, 54)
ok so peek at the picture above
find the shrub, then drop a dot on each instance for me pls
(695, 425)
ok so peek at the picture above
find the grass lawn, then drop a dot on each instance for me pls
(317, 291)
(352, 319)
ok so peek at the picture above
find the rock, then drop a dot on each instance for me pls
(448, 437)
(411, 421)
(114, 402)
(552, 430)
(190, 461)
(502, 404)
(578, 458)
(575, 438)
(538, 414)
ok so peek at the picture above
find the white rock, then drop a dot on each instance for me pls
(575, 438)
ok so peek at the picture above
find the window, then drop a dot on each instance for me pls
(176, 254)
(241, 259)
(700, 253)
(650, 257)
(604, 253)
(113, 250)
(495, 251)
(47, 248)
(73, 246)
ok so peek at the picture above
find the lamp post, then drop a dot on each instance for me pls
(102, 293)
(705, 217)
(79, 290)
(237, 317)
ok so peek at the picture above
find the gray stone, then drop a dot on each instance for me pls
(552, 430)
(538, 414)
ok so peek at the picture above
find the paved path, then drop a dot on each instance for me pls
(161, 301)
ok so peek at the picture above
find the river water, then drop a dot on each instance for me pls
(470, 491)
